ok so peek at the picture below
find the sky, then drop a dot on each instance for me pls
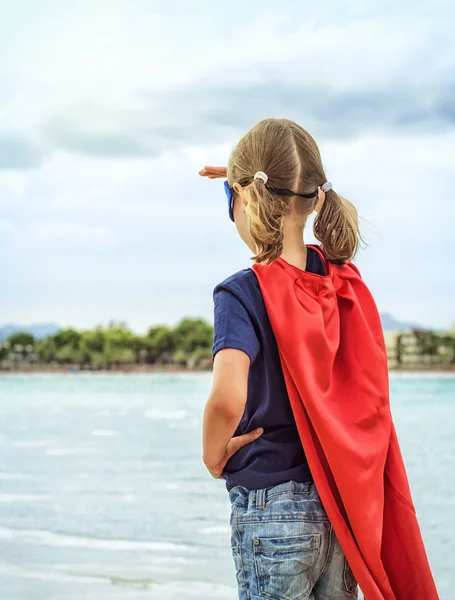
(108, 109)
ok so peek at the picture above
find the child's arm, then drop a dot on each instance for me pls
(225, 408)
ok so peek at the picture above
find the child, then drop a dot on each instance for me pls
(298, 421)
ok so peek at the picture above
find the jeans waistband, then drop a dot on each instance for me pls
(240, 495)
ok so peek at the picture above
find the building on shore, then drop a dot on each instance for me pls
(420, 349)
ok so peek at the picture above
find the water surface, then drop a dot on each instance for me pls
(103, 494)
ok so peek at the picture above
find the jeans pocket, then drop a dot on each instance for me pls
(284, 565)
(350, 582)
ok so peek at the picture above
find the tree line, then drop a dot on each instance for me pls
(188, 344)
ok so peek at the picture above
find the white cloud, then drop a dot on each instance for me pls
(12, 185)
(66, 232)
(5, 226)
(114, 89)
(154, 94)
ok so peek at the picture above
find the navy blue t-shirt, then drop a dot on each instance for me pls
(241, 322)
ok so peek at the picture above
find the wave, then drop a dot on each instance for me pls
(15, 476)
(60, 540)
(31, 443)
(201, 589)
(216, 529)
(171, 486)
(70, 451)
(104, 432)
(184, 588)
(9, 498)
(142, 583)
(47, 575)
(156, 413)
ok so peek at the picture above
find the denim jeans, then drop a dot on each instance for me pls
(284, 547)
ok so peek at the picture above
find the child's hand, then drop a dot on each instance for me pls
(233, 446)
(214, 172)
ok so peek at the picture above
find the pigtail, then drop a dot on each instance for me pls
(337, 228)
(265, 213)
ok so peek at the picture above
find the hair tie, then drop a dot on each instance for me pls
(326, 187)
(261, 175)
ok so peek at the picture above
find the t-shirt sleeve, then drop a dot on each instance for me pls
(233, 325)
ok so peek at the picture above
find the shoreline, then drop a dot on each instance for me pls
(133, 369)
(180, 370)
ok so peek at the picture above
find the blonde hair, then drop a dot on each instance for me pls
(291, 159)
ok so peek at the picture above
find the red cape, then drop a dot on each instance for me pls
(333, 355)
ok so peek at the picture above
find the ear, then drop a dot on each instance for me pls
(238, 189)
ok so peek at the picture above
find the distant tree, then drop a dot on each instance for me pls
(67, 337)
(66, 346)
(120, 345)
(191, 334)
(46, 350)
(160, 342)
(4, 350)
(202, 356)
(21, 338)
(180, 358)
(69, 354)
(91, 346)
(188, 344)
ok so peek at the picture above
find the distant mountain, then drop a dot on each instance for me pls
(39, 331)
(389, 323)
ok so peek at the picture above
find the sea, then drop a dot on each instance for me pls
(103, 494)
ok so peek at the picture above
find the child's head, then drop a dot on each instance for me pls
(290, 160)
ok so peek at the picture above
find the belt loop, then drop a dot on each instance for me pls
(260, 498)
